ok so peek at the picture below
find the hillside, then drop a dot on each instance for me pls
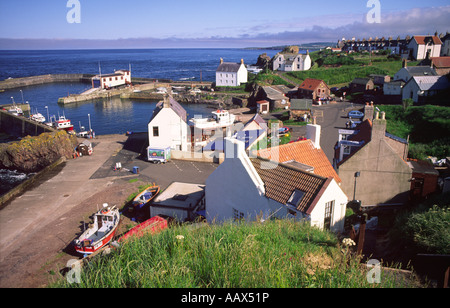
(274, 254)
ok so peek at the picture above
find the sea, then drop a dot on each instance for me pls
(115, 115)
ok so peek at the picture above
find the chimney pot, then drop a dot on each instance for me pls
(383, 115)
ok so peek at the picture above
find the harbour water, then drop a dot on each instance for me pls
(112, 116)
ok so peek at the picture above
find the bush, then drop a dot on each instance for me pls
(430, 231)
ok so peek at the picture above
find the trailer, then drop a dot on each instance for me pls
(158, 155)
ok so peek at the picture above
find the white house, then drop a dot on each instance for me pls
(291, 62)
(259, 189)
(231, 74)
(423, 46)
(168, 126)
(407, 72)
(119, 78)
(419, 88)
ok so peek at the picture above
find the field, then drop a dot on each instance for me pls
(339, 70)
(273, 254)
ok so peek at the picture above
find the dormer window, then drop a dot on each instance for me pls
(296, 198)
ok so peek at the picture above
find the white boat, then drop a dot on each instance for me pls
(15, 110)
(38, 117)
(219, 119)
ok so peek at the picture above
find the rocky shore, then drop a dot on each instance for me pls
(32, 154)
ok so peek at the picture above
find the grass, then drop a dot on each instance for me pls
(427, 126)
(274, 254)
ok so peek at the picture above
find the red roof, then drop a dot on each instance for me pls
(441, 62)
(311, 84)
(303, 152)
(421, 39)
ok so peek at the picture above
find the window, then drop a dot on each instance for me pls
(296, 197)
(155, 131)
(328, 213)
(237, 215)
(347, 150)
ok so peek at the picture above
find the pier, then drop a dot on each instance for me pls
(21, 126)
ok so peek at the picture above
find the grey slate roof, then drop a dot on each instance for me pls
(227, 67)
(421, 71)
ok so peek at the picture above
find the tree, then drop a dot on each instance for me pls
(407, 103)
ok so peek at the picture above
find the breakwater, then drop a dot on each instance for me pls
(21, 126)
(15, 83)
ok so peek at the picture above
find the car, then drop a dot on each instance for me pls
(356, 114)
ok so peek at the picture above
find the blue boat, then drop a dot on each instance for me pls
(145, 197)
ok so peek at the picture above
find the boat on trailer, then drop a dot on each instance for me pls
(102, 231)
(142, 199)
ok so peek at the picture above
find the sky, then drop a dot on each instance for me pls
(44, 24)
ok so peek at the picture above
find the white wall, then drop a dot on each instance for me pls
(172, 130)
(332, 193)
(411, 88)
(226, 79)
(242, 75)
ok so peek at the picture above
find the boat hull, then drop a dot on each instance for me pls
(96, 246)
(139, 203)
(104, 228)
(152, 226)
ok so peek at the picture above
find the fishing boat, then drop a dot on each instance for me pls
(219, 119)
(63, 124)
(38, 117)
(153, 225)
(146, 196)
(100, 233)
(15, 110)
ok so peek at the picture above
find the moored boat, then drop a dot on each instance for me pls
(142, 199)
(153, 225)
(63, 124)
(100, 233)
(38, 117)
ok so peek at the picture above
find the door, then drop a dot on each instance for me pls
(329, 206)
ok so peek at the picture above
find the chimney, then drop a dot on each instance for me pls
(242, 61)
(221, 60)
(404, 63)
(368, 111)
(166, 103)
(313, 132)
(379, 126)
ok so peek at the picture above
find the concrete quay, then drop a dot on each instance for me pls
(15, 83)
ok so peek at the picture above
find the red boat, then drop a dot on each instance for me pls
(63, 124)
(153, 225)
(101, 233)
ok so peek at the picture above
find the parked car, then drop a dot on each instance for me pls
(356, 114)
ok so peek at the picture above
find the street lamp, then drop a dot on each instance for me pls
(89, 116)
(357, 175)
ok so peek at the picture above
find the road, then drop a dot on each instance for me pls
(331, 118)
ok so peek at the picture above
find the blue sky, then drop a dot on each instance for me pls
(201, 23)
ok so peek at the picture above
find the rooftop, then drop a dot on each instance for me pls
(303, 152)
(281, 181)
